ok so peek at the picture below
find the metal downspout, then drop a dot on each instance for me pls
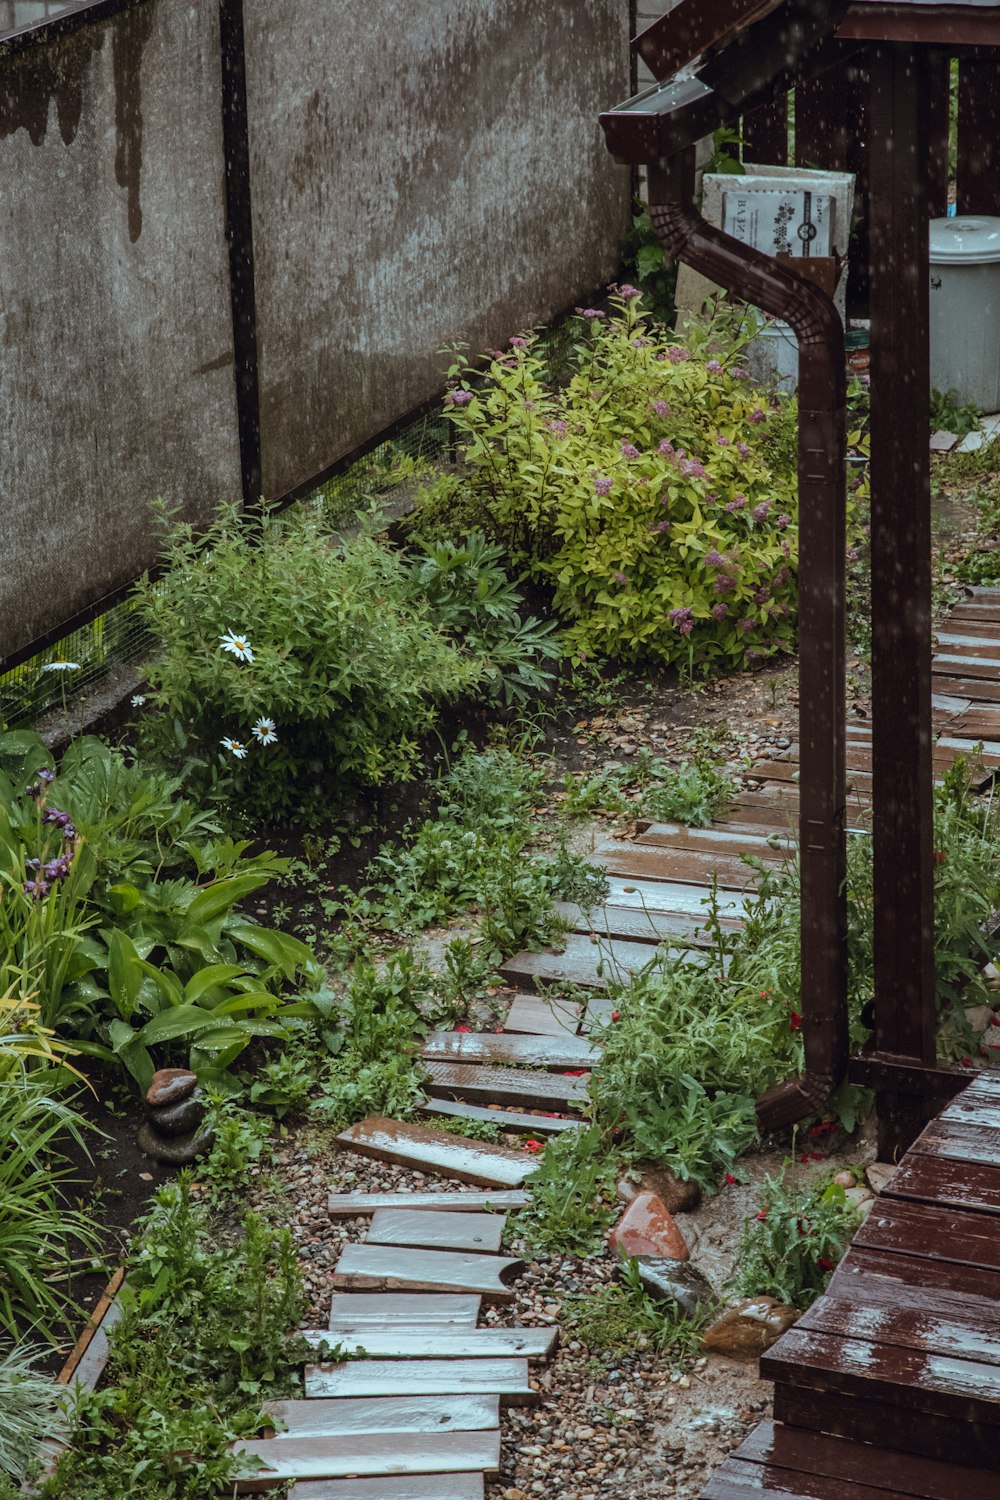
(759, 280)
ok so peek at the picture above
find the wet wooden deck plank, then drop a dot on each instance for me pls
(403, 1378)
(431, 1341)
(506, 1086)
(412, 1487)
(676, 866)
(350, 1416)
(968, 1139)
(542, 1015)
(717, 840)
(368, 1455)
(549, 1052)
(863, 1305)
(356, 1309)
(436, 1151)
(594, 965)
(930, 1232)
(791, 1449)
(955, 1183)
(505, 1119)
(951, 1277)
(962, 1389)
(978, 643)
(440, 1231)
(644, 896)
(740, 1480)
(386, 1268)
(359, 1205)
(982, 691)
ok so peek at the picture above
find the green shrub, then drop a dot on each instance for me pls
(654, 492)
(29, 1404)
(792, 1246)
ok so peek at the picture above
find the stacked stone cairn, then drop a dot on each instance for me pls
(174, 1131)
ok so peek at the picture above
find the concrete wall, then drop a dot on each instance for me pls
(116, 383)
(423, 171)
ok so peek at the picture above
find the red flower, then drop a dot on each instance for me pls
(965, 1062)
(762, 1214)
(816, 1156)
(940, 855)
(764, 995)
(575, 1073)
(498, 1030)
(730, 1179)
(794, 1021)
(824, 1264)
(532, 1146)
(616, 1015)
(462, 1028)
(822, 1127)
(804, 1157)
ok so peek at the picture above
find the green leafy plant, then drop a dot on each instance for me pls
(792, 1246)
(652, 491)
(29, 1403)
(623, 1317)
(950, 414)
(572, 1195)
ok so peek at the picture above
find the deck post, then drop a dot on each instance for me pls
(903, 823)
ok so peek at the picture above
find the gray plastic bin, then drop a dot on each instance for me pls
(965, 308)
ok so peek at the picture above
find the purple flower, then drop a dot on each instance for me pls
(739, 373)
(666, 448)
(458, 398)
(760, 511)
(36, 889)
(762, 595)
(757, 415)
(558, 428)
(720, 611)
(629, 450)
(60, 819)
(663, 526)
(603, 486)
(693, 469)
(677, 355)
(853, 554)
(779, 577)
(724, 583)
(683, 619)
(46, 775)
(737, 503)
(782, 522)
(621, 578)
(639, 343)
(714, 559)
(723, 442)
(589, 312)
(58, 869)
(743, 450)
(745, 626)
(661, 408)
(786, 549)
(714, 367)
(518, 343)
(628, 291)
(752, 655)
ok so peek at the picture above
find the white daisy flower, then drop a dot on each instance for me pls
(61, 666)
(237, 644)
(138, 699)
(264, 732)
(234, 747)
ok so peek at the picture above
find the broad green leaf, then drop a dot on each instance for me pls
(209, 979)
(215, 900)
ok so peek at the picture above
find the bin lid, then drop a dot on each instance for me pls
(968, 239)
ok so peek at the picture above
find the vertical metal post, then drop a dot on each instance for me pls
(903, 827)
(239, 234)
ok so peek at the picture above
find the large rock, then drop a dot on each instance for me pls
(675, 1281)
(178, 1150)
(746, 1329)
(680, 1197)
(878, 1174)
(180, 1118)
(646, 1228)
(169, 1085)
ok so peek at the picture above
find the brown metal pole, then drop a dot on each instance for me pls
(903, 826)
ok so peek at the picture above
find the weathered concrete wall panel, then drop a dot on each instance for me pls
(423, 171)
(116, 382)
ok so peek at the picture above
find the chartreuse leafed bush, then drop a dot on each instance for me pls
(299, 658)
(655, 491)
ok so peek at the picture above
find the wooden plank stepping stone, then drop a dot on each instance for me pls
(505, 1086)
(412, 1487)
(359, 1205)
(538, 1015)
(506, 1378)
(436, 1151)
(985, 691)
(650, 928)
(506, 1119)
(671, 896)
(954, 1182)
(361, 1309)
(440, 1231)
(963, 665)
(590, 963)
(431, 1341)
(674, 865)
(343, 1418)
(524, 1051)
(387, 1268)
(725, 841)
(368, 1454)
